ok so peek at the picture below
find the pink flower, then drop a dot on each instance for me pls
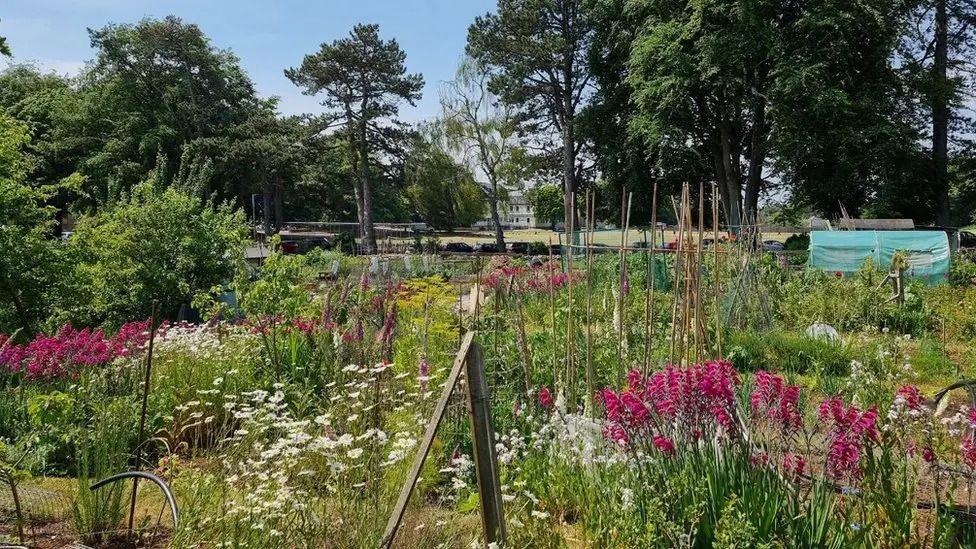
(928, 454)
(849, 430)
(969, 451)
(545, 398)
(794, 464)
(773, 399)
(664, 444)
(694, 400)
(910, 396)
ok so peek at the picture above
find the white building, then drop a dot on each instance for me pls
(518, 215)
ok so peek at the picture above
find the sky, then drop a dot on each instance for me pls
(267, 35)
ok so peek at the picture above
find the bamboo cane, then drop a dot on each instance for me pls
(552, 306)
(718, 272)
(570, 375)
(590, 201)
(649, 298)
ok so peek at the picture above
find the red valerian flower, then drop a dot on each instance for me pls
(70, 351)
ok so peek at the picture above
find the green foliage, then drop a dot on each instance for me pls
(363, 78)
(547, 203)
(443, 193)
(153, 87)
(788, 352)
(30, 265)
(160, 245)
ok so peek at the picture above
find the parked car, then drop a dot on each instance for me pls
(486, 247)
(518, 247)
(458, 248)
(773, 245)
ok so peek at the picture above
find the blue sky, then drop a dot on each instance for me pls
(267, 35)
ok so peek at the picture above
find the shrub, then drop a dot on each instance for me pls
(161, 245)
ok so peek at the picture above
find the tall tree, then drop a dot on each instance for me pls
(538, 50)
(29, 265)
(623, 160)
(840, 123)
(442, 191)
(155, 86)
(363, 79)
(936, 55)
(700, 73)
(483, 131)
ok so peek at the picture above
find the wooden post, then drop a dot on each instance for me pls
(552, 307)
(483, 447)
(625, 219)
(428, 440)
(153, 326)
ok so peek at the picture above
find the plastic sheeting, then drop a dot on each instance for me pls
(846, 251)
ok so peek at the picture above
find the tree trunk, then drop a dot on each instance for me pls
(266, 208)
(495, 218)
(279, 202)
(569, 172)
(733, 177)
(940, 115)
(757, 157)
(369, 233)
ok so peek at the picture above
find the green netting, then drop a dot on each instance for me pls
(846, 251)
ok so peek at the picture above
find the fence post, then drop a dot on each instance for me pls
(483, 446)
(401, 505)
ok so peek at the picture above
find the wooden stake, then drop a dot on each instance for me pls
(570, 373)
(427, 442)
(620, 293)
(718, 272)
(153, 326)
(552, 307)
(649, 298)
(483, 448)
(590, 389)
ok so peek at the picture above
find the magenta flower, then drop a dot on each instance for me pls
(910, 396)
(664, 444)
(794, 464)
(850, 429)
(773, 399)
(545, 398)
(675, 402)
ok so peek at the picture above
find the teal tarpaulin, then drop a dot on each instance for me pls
(846, 251)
